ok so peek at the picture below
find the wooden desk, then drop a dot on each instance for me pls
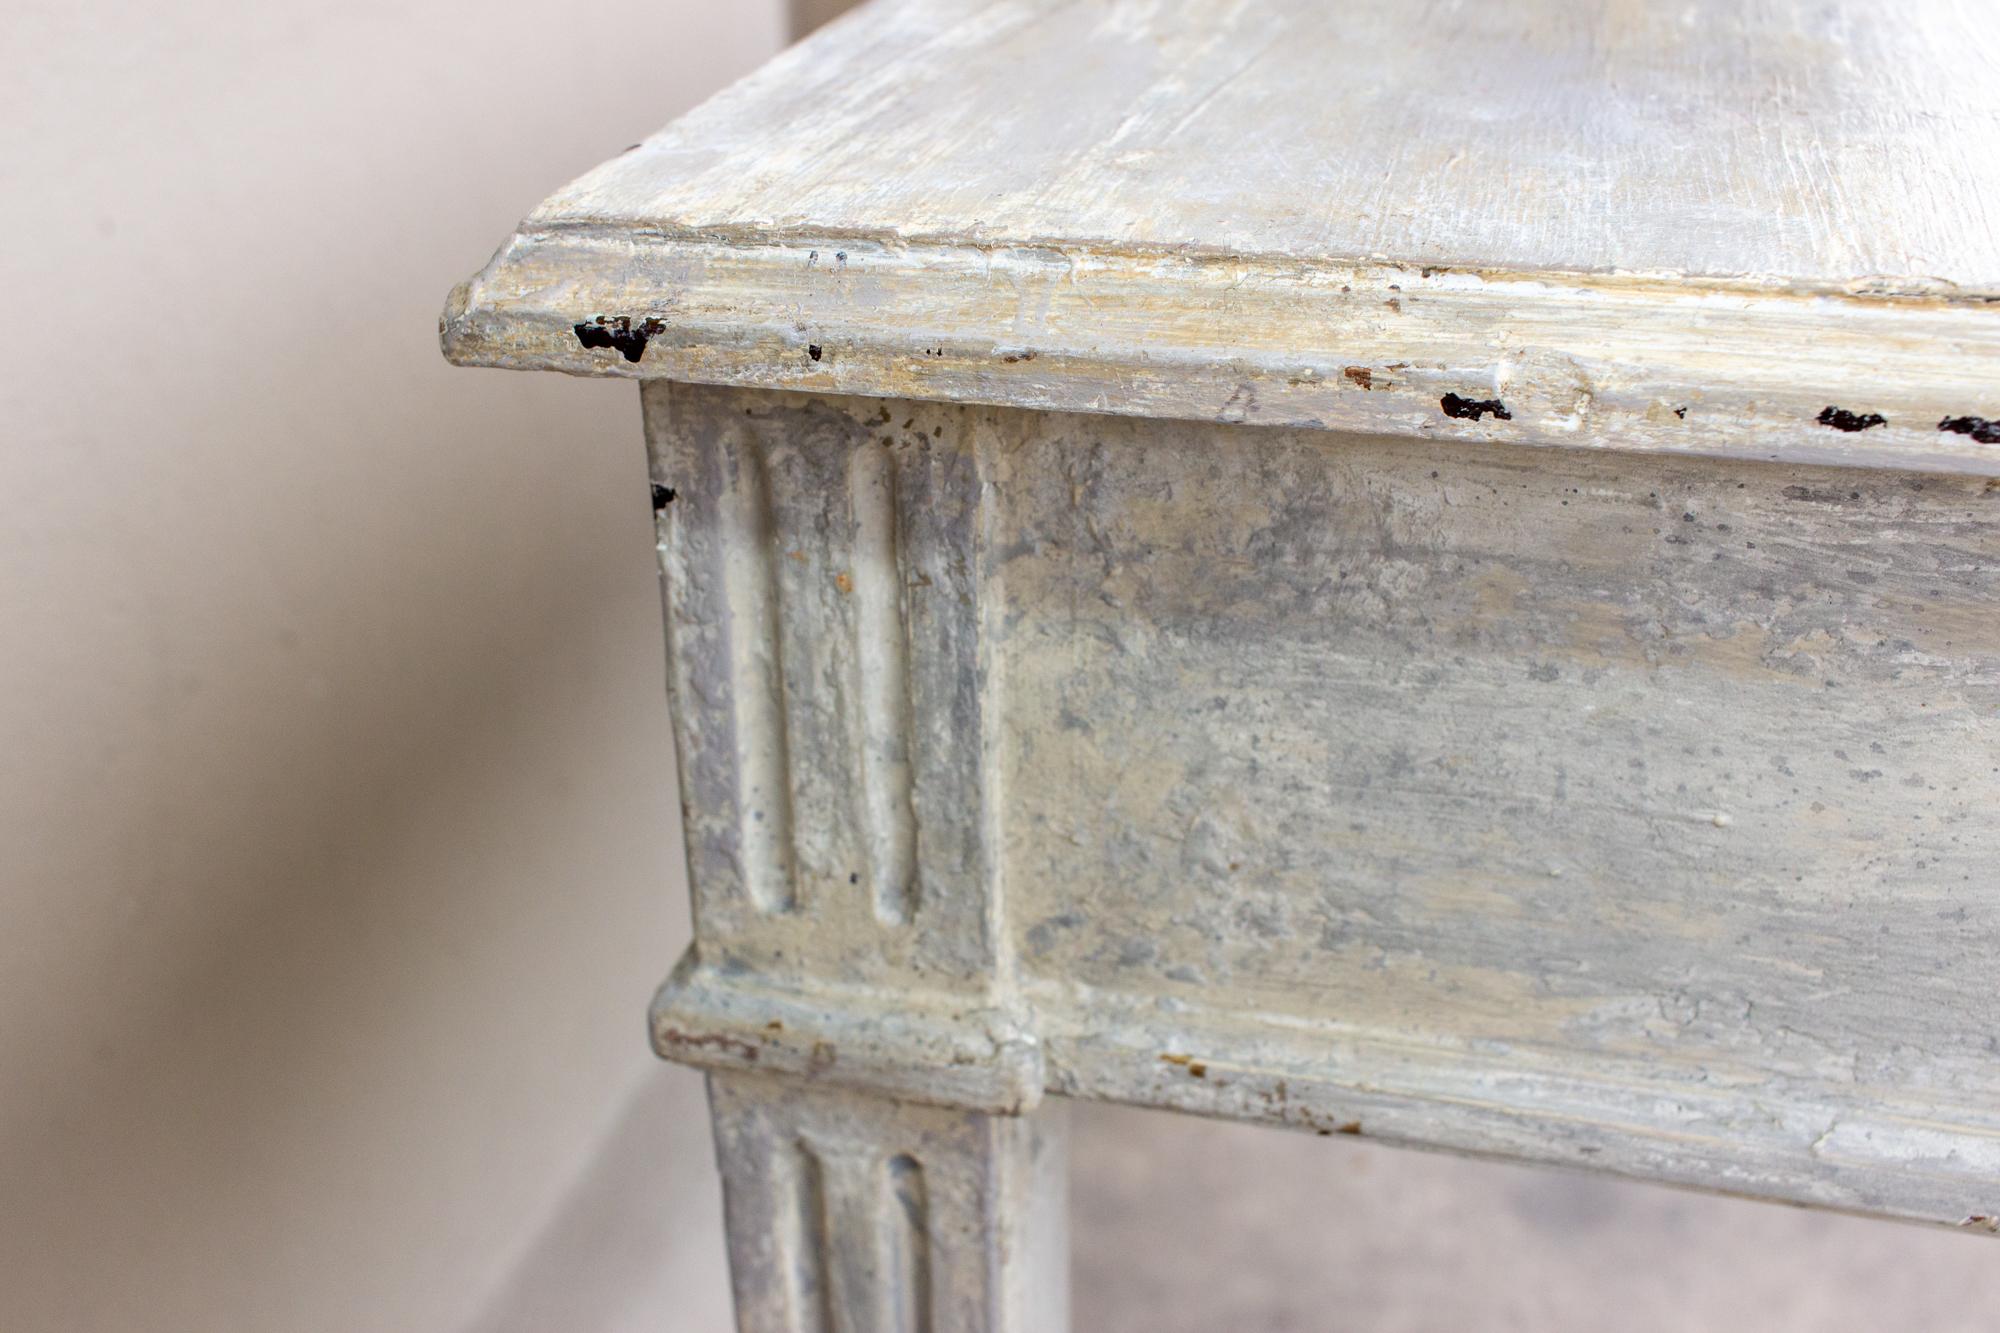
(1415, 570)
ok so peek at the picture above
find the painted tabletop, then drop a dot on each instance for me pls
(1752, 227)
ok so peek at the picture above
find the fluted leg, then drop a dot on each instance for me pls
(849, 1213)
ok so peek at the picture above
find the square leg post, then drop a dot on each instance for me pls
(876, 1082)
(850, 1213)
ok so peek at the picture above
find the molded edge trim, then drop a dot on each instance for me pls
(1714, 1129)
(1640, 363)
(938, 1049)
(1763, 1136)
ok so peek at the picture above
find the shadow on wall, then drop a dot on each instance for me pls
(809, 14)
(340, 848)
(637, 1246)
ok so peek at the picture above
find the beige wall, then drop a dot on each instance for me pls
(338, 848)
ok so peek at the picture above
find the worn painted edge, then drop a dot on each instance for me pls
(1728, 1130)
(1712, 1129)
(1642, 363)
(922, 1048)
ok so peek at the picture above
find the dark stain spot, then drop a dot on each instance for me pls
(813, 351)
(1681, 412)
(1394, 304)
(1042, 935)
(1195, 1068)
(1471, 409)
(1351, 1127)
(1360, 375)
(1013, 357)
(1841, 419)
(663, 496)
(1820, 497)
(620, 333)
(1429, 269)
(1979, 428)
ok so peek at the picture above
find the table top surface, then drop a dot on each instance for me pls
(1124, 184)
(1791, 141)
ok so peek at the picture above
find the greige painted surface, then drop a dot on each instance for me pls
(851, 1214)
(338, 848)
(1693, 228)
(1167, 1239)
(1784, 141)
(1625, 812)
(1613, 811)
(1429, 788)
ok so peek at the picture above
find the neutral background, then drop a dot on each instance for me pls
(340, 851)
(338, 847)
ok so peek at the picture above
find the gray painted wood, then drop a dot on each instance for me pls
(836, 725)
(1789, 140)
(1615, 811)
(853, 1214)
(1122, 645)
(1687, 228)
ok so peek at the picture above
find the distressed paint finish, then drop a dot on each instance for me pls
(1791, 140)
(1174, 682)
(1684, 228)
(1627, 812)
(850, 1214)
(824, 574)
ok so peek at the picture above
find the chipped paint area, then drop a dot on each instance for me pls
(1619, 363)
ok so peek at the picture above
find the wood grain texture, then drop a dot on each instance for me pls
(1681, 228)
(1796, 141)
